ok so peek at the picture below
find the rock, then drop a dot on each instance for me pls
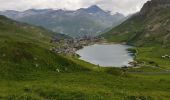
(4, 55)
(35, 58)
(57, 70)
(36, 65)
(66, 69)
(166, 56)
(154, 4)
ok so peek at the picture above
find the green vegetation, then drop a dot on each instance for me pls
(30, 71)
(152, 56)
(87, 86)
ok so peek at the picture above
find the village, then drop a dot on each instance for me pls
(71, 45)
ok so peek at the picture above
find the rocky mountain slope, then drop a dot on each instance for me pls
(149, 26)
(85, 21)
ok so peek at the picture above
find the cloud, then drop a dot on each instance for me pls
(122, 6)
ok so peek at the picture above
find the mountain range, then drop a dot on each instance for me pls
(91, 21)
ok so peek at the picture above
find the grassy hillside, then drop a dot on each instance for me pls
(142, 30)
(149, 31)
(25, 49)
(30, 71)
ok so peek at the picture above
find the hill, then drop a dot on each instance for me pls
(25, 49)
(149, 31)
(89, 21)
(150, 26)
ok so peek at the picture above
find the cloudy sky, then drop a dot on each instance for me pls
(122, 6)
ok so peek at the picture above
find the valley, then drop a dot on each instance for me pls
(39, 64)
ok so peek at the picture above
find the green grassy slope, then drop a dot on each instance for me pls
(88, 86)
(142, 30)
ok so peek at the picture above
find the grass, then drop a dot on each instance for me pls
(87, 85)
(153, 56)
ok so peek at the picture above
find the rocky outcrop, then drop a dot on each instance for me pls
(154, 4)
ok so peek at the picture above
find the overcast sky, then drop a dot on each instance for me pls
(122, 6)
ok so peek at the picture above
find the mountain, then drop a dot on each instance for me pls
(92, 9)
(90, 21)
(149, 26)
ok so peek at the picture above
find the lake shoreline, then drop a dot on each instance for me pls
(69, 47)
(106, 44)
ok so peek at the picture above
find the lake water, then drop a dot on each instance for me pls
(106, 55)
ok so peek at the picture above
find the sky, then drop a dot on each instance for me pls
(122, 6)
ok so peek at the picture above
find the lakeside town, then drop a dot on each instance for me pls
(71, 45)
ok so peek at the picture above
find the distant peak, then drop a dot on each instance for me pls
(37, 10)
(93, 9)
(31, 10)
(117, 13)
